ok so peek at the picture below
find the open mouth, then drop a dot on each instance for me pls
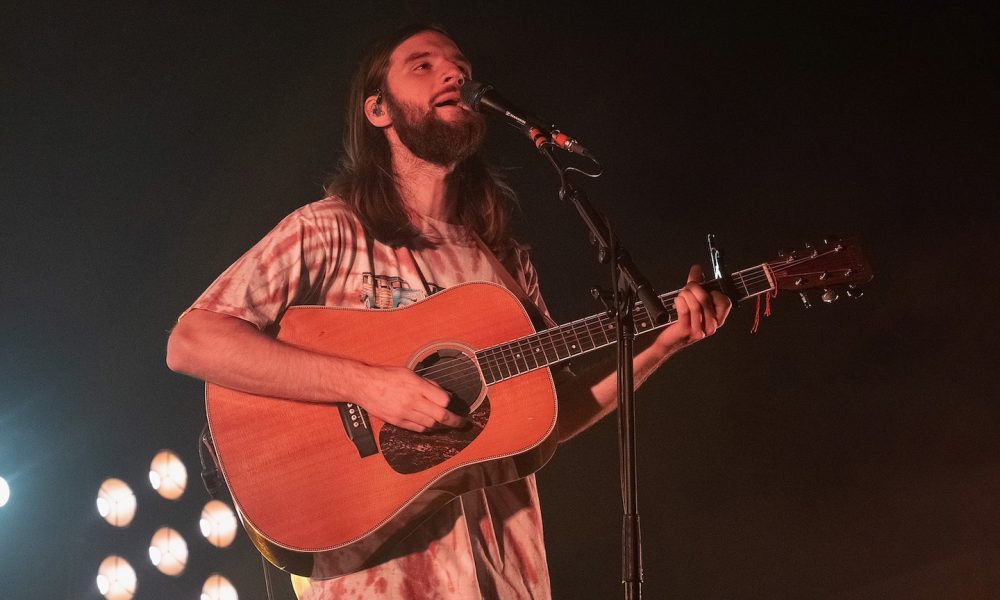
(447, 102)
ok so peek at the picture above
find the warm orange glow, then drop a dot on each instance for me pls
(116, 579)
(218, 587)
(168, 551)
(218, 523)
(168, 475)
(116, 502)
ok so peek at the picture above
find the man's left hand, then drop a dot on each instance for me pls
(699, 314)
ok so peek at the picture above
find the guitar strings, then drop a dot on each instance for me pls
(512, 358)
(496, 357)
(505, 358)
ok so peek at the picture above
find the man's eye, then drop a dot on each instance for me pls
(422, 66)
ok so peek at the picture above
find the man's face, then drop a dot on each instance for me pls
(425, 74)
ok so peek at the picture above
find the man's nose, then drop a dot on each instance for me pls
(454, 75)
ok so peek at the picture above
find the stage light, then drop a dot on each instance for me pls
(116, 502)
(218, 523)
(168, 475)
(218, 587)
(4, 491)
(116, 579)
(168, 551)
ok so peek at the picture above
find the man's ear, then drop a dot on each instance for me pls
(376, 112)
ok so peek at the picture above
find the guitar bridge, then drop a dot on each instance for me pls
(358, 428)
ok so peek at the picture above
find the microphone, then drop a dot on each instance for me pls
(483, 98)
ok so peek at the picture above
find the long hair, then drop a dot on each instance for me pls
(365, 179)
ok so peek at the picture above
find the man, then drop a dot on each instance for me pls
(413, 210)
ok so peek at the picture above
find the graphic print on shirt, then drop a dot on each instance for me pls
(390, 291)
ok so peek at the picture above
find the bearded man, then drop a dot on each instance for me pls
(413, 209)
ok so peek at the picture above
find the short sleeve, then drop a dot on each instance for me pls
(519, 263)
(290, 265)
(527, 276)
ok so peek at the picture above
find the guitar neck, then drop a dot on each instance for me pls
(563, 342)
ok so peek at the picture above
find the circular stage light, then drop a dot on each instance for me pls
(218, 587)
(116, 502)
(168, 475)
(116, 579)
(4, 491)
(218, 523)
(168, 551)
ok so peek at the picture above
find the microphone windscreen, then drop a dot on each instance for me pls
(472, 92)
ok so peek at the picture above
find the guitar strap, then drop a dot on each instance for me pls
(405, 256)
(512, 284)
(508, 280)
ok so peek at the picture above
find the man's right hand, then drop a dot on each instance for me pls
(232, 352)
(399, 396)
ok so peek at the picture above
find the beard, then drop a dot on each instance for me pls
(439, 142)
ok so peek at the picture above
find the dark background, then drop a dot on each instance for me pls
(847, 451)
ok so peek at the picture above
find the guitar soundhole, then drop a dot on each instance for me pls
(408, 451)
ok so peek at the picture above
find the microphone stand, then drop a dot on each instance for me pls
(628, 285)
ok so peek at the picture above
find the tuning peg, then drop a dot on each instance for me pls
(805, 300)
(830, 239)
(829, 296)
(786, 254)
(854, 292)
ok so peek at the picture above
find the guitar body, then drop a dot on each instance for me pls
(309, 498)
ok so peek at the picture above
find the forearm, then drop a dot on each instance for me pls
(592, 394)
(231, 352)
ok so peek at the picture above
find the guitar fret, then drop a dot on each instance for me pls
(608, 329)
(508, 359)
(642, 320)
(543, 347)
(536, 350)
(743, 282)
(573, 348)
(519, 356)
(586, 343)
(489, 356)
(502, 365)
(516, 358)
(596, 329)
(549, 347)
(562, 342)
(586, 329)
(671, 308)
(765, 282)
(530, 360)
(565, 345)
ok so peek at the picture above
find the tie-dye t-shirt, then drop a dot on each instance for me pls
(487, 543)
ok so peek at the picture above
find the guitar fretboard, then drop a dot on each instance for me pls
(585, 335)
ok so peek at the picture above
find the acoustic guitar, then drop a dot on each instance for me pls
(324, 490)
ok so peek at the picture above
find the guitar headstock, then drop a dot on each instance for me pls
(834, 265)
